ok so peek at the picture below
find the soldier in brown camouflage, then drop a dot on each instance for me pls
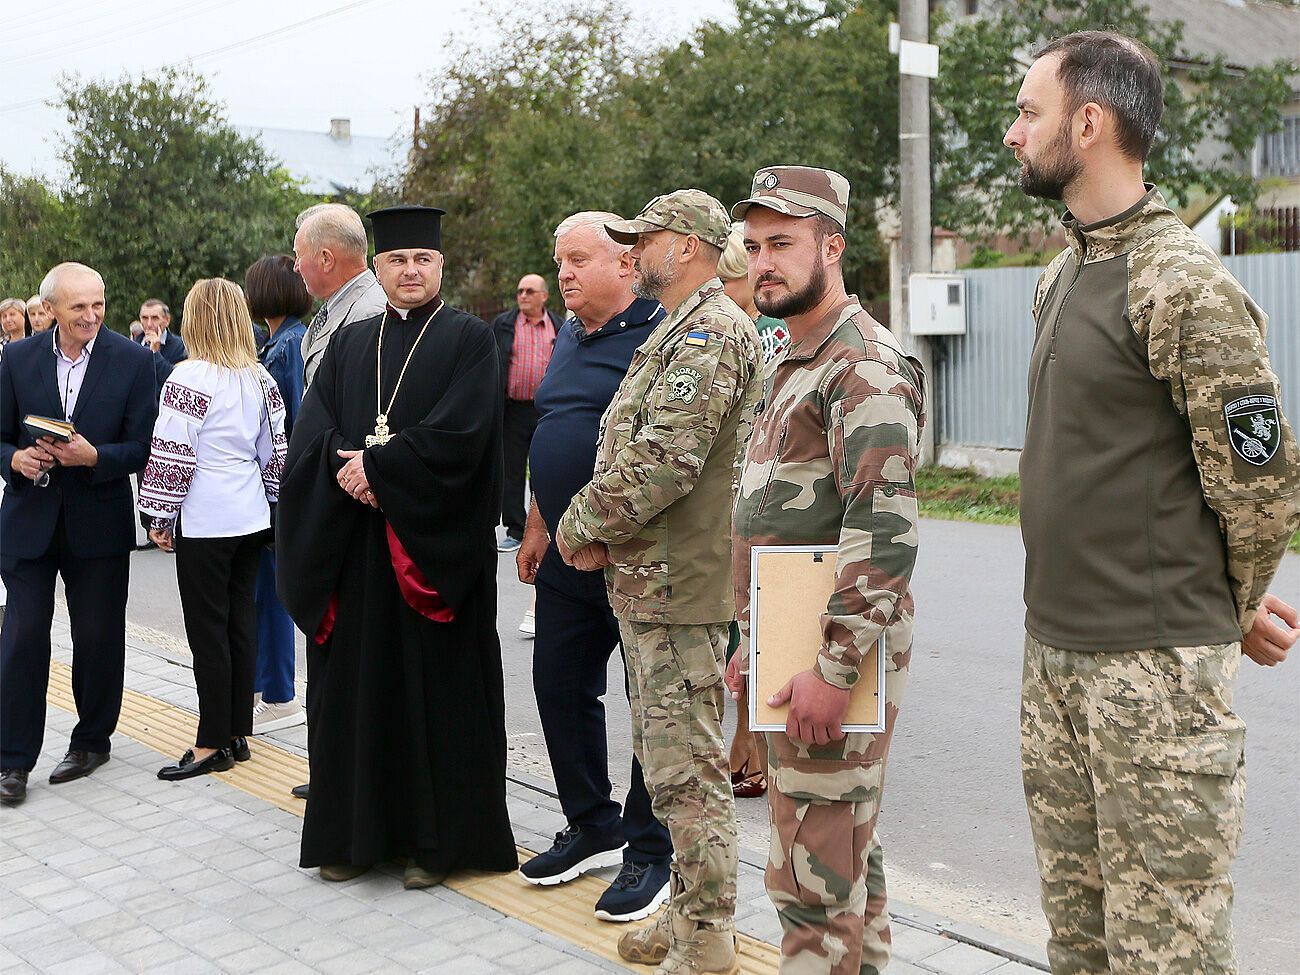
(656, 516)
(831, 462)
(1160, 483)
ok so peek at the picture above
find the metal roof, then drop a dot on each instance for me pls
(328, 164)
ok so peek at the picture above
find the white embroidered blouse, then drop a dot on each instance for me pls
(217, 451)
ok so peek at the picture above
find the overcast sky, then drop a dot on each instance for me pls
(370, 61)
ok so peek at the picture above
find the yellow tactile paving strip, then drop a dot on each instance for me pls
(565, 910)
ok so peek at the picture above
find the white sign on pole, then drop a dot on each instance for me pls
(918, 59)
(895, 35)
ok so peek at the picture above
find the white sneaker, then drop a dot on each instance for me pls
(528, 626)
(269, 717)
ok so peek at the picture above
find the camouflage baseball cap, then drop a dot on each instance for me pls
(682, 212)
(800, 191)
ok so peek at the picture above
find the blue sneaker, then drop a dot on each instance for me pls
(508, 544)
(574, 852)
(636, 892)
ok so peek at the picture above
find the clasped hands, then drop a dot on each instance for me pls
(352, 478)
(816, 708)
(589, 558)
(31, 462)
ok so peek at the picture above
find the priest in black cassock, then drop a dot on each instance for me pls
(386, 535)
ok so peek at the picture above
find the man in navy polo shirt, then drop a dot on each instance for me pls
(576, 629)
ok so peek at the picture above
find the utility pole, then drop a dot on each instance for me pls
(914, 193)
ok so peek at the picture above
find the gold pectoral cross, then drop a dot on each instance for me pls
(381, 435)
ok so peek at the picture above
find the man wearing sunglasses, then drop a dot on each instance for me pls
(525, 338)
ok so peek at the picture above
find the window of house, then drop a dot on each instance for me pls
(1279, 152)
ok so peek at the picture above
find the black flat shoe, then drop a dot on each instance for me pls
(300, 791)
(77, 764)
(239, 749)
(219, 761)
(13, 786)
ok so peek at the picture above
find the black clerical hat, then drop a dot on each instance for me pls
(407, 227)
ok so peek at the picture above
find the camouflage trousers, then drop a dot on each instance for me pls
(826, 867)
(1134, 776)
(677, 697)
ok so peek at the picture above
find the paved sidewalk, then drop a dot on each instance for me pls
(120, 872)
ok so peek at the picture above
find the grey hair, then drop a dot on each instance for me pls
(12, 303)
(50, 283)
(33, 300)
(592, 218)
(157, 303)
(334, 224)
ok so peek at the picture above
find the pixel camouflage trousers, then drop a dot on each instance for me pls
(677, 697)
(826, 868)
(1134, 776)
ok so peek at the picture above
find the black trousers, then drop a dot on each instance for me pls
(517, 426)
(217, 578)
(96, 590)
(576, 633)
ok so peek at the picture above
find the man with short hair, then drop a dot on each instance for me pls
(156, 319)
(329, 252)
(831, 463)
(67, 511)
(37, 315)
(1160, 484)
(657, 514)
(385, 539)
(525, 338)
(577, 631)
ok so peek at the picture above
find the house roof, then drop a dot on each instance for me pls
(1248, 33)
(328, 164)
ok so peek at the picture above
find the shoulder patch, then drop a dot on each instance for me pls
(697, 339)
(1254, 424)
(682, 384)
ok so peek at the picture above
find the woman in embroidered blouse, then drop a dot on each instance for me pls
(277, 296)
(207, 491)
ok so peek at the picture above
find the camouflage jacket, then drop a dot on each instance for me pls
(831, 462)
(666, 464)
(1160, 481)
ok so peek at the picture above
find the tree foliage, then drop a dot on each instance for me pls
(167, 191)
(35, 226)
(1216, 110)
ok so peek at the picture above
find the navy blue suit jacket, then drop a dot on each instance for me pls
(115, 411)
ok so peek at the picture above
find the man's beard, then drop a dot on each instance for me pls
(796, 302)
(1058, 169)
(652, 282)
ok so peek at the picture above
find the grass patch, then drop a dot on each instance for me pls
(966, 495)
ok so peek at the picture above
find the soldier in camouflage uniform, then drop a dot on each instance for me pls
(1159, 486)
(831, 462)
(656, 514)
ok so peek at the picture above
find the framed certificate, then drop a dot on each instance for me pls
(790, 586)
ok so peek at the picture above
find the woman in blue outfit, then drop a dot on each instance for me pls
(277, 296)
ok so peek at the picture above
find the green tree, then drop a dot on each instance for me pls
(35, 227)
(519, 135)
(166, 191)
(1207, 105)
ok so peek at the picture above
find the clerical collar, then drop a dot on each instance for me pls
(426, 309)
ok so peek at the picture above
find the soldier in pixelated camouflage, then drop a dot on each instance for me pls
(1159, 485)
(831, 462)
(656, 516)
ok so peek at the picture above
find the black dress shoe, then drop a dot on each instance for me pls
(219, 761)
(75, 764)
(239, 749)
(300, 791)
(13, 786)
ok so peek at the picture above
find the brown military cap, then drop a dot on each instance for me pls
(799, 191)
(683, 212)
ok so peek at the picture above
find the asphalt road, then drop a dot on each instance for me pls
(954, 826)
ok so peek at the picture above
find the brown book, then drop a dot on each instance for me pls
(44, 426)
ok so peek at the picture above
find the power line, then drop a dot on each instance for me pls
(224, 49)
(150, 23)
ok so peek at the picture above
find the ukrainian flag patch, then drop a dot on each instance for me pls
(697, 338)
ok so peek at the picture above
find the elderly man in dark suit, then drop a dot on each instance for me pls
(67, 511)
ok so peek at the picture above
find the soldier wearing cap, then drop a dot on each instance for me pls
(656, 516)
(830, 462)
